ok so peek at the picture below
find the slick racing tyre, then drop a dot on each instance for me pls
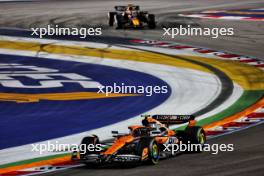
(196, 135)
(152, 148)
(151, 21)
(111, 19)
(84, 145)
(119, 22)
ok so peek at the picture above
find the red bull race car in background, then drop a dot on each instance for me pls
(143, 144)
(131, 16)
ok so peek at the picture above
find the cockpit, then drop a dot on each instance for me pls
(139, 131)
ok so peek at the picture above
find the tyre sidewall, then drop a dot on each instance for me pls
(151, 144)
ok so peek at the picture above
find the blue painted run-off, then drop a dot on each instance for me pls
(24, 123)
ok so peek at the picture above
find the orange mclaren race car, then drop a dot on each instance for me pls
(143, 144)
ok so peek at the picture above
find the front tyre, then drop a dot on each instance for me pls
(149, 150)
(84, 149)
(154, 154)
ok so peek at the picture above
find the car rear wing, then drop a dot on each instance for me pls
(123, 8)
(173, 119)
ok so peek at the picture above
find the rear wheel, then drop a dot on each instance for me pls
(111, 18)
(151, 21)
(196, 135)
(119, 22)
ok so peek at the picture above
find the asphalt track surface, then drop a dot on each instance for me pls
(245, 160)
(248, 40)
(226, 89)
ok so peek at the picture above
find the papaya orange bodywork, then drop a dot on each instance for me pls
(144, 153)
(118, 143)
(125, 139)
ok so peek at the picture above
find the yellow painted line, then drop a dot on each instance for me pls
(247, 76)
(36, 164)
(234, 117)
(29, 98)
(101, 53)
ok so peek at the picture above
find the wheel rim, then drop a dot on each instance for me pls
(201, 138)
(155, 151)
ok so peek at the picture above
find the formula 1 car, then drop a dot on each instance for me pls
(130, 16)
(143, 144)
